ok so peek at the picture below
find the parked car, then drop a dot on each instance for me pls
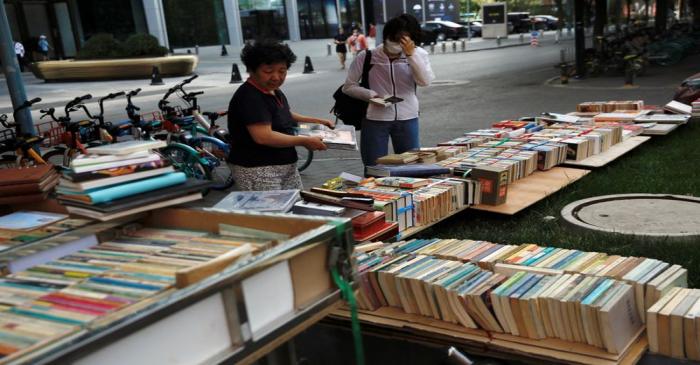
(440, 30)
(474, 26)
(520, 21)
(546, 22)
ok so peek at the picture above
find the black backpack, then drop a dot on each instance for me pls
(348, 109)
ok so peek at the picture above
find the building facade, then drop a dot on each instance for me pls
(176, 23)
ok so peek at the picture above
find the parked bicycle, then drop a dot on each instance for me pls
(17, 147)
(189, 127)
(76, 137)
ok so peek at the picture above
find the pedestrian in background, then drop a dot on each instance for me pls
(44, 47)
(340, 46)
(263, 128)
(19, 52)
(398, 66)
(372, 33)
(357, 41)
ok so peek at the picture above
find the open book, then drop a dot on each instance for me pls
(341, 138)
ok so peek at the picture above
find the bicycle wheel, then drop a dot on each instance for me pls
(304, 158)
(57, 158)
(221, 174)
(186, 162)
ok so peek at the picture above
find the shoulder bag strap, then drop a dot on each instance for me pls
(364, 82)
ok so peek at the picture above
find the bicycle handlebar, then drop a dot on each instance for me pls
(188, 80)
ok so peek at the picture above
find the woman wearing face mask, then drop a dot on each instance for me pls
(397, 67)
(261, 124)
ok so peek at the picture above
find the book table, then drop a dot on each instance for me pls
(234, 313)
(400, 325)
(610, 155)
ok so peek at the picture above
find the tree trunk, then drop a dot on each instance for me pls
(661, 14)
(601, 17)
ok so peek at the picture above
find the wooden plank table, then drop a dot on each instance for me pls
(418, 328)
(610, 155)
(528, 191)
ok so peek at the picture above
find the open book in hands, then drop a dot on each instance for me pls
(342, 137)
(385, 101)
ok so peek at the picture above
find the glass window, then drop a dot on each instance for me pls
(192, 23)
(263, 19)
(106, 16)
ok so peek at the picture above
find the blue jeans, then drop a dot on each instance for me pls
(374, 140)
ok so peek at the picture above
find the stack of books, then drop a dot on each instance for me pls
(124, 178)
(673, 324)
(410, 170)
(23, 227)
(273, 201)
(21, 185)
(650, 278)
(572, 307)
(609, 106)
(695, 108)
(98, 285)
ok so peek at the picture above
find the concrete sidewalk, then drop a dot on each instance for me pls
(215, 70)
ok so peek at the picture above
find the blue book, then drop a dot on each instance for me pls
(413, 170)
(567, 259)
(539, 256)
(128, 189)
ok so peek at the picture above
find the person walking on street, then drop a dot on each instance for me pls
(357, 41)
(372, 33)
(262, 125)
(340, 46)
(397, 67)
(44, 47)
(19, 51)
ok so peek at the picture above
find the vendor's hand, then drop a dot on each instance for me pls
(314, 144)
(408, 46)
(328, 123)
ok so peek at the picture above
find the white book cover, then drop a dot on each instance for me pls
(678, 107)
(126, 147)
(82, 160)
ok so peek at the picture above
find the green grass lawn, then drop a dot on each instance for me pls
(669, 165)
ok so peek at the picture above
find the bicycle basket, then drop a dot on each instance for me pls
(7, 135)
(52, 133)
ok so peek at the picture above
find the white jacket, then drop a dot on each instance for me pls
(396, 78)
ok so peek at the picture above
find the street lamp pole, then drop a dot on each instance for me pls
(469, 24)
(10, 68)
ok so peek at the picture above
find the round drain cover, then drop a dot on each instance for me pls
(652, 215)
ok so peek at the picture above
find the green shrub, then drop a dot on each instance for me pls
(100, 46)
(143, 45)
(103, 45)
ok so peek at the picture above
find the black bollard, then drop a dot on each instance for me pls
(308, 67)
(155, 76)
(224, 52)
(235, 75)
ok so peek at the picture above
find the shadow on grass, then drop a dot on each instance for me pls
(663, 165)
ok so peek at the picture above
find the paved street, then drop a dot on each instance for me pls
(472, 90)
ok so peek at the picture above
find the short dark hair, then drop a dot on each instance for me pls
(266, 52)
(403, 23)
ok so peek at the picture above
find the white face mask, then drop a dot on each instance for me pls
(392, 47)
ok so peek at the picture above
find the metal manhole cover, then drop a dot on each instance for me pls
(448, 82)
(651, 215)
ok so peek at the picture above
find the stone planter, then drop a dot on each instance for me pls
(113, 69)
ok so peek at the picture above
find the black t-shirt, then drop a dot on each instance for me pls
(249, 105)
(341, 48)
